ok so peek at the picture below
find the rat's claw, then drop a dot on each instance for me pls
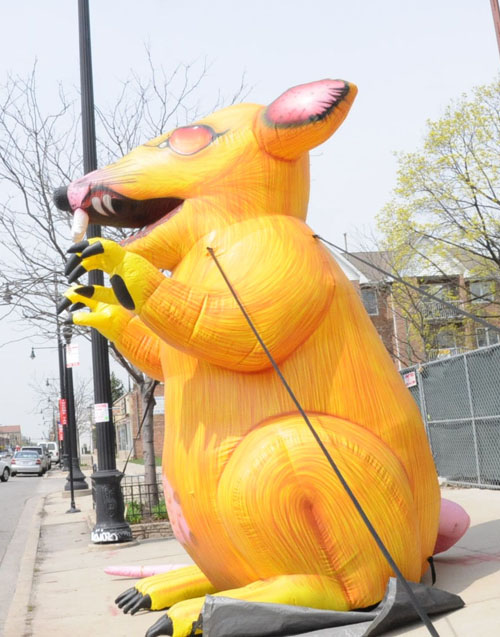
(77, 273)
(125, 594)
(135, 602)
(92, 250)
(63, 304)
(145, 602)
(78, 247)
(72, 263)
(77, 306)
(163, 626)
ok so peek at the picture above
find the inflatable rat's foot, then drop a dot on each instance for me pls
(132, 601)
(315, 591)
(164, 590)
(163, 626)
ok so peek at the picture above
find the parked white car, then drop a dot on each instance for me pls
(5, 468)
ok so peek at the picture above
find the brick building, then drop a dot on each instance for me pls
(127, 416)
(10, 436)
(415, 328)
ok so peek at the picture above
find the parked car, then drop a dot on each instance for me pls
(27, 461)
(44, 456)
(45, 446)
(5, 468)
(53, 448)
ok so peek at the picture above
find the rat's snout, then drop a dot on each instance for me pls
(60, 199)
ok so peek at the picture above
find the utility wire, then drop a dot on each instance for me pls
(478, 319)
(420, 611)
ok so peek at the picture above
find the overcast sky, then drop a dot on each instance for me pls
(409, 58)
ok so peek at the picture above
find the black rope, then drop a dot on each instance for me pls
(146, 411)
(420, 611)
(474, 317)
(433, 569)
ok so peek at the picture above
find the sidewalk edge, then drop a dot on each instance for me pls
(17, 620)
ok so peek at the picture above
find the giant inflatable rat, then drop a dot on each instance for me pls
(249, 494)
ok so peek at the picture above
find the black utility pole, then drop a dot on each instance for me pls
(75, 479)
(63, 451)
(110, 521)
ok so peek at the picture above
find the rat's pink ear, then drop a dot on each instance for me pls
(303, 117)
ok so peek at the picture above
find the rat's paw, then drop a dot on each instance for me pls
(131, 276)
(131, 601)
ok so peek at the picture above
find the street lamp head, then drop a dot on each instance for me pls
(67, 332)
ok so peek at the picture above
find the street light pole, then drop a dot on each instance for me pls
(110, 509)
(63, 452)
(63, 446)
(75, 479)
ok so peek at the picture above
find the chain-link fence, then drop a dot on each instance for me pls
(459, 398)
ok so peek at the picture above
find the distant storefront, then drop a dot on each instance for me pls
(10, 436)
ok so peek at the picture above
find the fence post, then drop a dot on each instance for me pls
(423, 405)
(473, 419)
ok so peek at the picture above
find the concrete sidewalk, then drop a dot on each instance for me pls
(62, 587)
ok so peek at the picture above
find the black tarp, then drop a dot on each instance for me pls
(226, 617)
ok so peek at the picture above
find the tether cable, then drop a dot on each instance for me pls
(420, 611)
(399, 279)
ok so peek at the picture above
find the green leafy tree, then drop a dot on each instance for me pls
(447, 196)
(117, 388)
(444, 218)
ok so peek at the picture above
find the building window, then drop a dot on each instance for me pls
(481, 291)
(370, 300)
(485, 337)
(124, 438)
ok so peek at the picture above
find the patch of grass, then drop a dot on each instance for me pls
(159, 512)
(133, 512)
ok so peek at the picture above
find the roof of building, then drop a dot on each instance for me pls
(368, 262)
(10, 429)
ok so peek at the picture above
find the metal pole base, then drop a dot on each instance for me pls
(78, 478)
(73, 510)
(111, 526)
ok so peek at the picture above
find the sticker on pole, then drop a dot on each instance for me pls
(101, 412)
(72, 355)
(410, 379)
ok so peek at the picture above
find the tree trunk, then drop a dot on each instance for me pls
(148, 445)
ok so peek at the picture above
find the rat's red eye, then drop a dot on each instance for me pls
(190, 139)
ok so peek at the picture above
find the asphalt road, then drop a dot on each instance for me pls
(18, 495)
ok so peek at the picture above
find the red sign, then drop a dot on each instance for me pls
(60, 432)
(63, 411)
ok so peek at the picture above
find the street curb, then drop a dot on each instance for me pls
(17, 622)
